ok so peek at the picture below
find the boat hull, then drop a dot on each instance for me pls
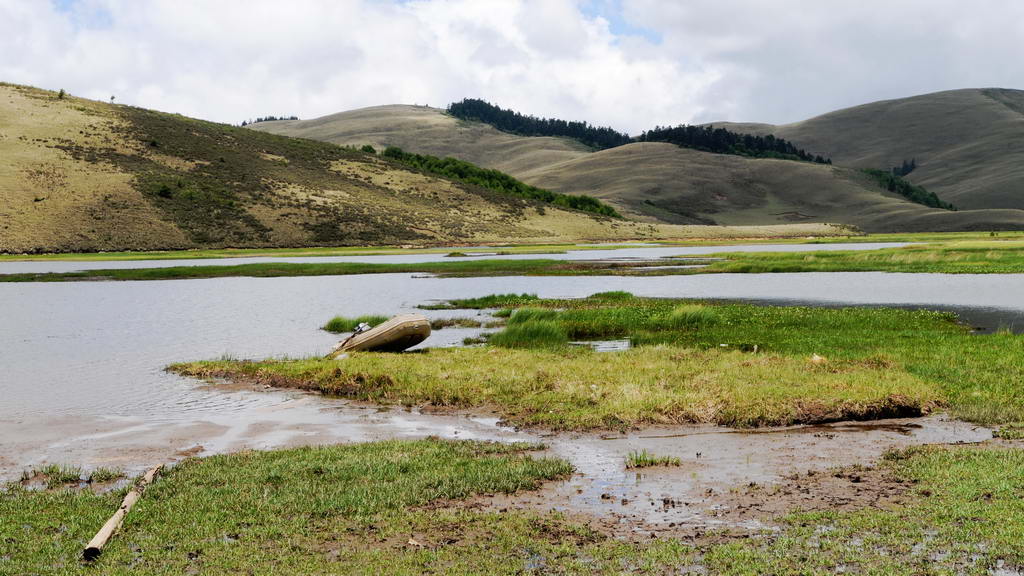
(397, 334)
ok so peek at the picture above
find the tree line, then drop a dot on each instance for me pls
(905, 168)
(912, 192)
(509, 120)
(706, 138)
(722, 141)
(268, 119)
(468, 173)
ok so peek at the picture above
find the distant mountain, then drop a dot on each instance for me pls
(968, 145)
(81, 175)
(660, 182)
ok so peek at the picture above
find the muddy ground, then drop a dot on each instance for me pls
(736, 480)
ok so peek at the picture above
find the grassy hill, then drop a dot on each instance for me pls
(430, 131)
(968, 144)
(673, 184)
(657, 182)
(80, 175)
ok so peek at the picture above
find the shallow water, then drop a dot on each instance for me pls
(82, 378)
(638, 253)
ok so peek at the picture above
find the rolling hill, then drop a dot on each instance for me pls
(81, 175)
(663, 183)
(968, 144)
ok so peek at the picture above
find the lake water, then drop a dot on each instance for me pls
(81, 364)
(630, 253)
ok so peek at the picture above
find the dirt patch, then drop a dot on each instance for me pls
(737, 481)
(737, 512)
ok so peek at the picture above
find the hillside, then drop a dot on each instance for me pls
(968, 144)
(430, 131)
(81, 175)
(673, 184)
(653, 181)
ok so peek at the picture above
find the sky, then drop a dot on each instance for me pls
(629, 64)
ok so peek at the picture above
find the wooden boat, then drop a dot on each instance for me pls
(397, 334)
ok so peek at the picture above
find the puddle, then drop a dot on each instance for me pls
(604, 345)
(716, 461)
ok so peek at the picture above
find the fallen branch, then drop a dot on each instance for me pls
(95, 546)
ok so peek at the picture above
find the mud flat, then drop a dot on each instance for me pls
(710, 489)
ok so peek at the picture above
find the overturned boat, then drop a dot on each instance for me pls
(397, 334)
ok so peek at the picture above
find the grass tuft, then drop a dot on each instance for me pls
(645, 459)
(441, 323)
(341, 324)
(531, 334)
(525, 315)
(690, 316)
(1011, 431)
(613, 296)
(491, 301)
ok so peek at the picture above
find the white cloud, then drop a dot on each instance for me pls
(738, 59)
(786, 60)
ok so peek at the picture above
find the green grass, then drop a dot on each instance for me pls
(965, 516)
(392, 507)
(689, 316)
(961, 257)
(1010, 431)
(528, 314)
(577, 389)
(645, 459)
(530, 334)
(881, 362)
(54, 476)
(341, 324)
(382, 507)
(484, 302)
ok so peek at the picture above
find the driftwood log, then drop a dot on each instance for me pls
(95, 546)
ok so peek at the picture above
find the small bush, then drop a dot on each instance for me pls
(533, 334)
(524, 315)
(614, 296)
(340, 324)
(689, 316)
(368, 149)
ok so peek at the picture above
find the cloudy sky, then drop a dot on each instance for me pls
(630, 64)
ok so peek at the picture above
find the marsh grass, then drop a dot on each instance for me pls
(387, 507)
(54, 476)
(441, 323)
(1010, 431)
(529, 314)
(376, 508)
(950, 257)
(530, 334)
(964, 516)
(567, 388)
(483, 302)
(882, 362)
(342, 324)
(689, 316)
(645, 459)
